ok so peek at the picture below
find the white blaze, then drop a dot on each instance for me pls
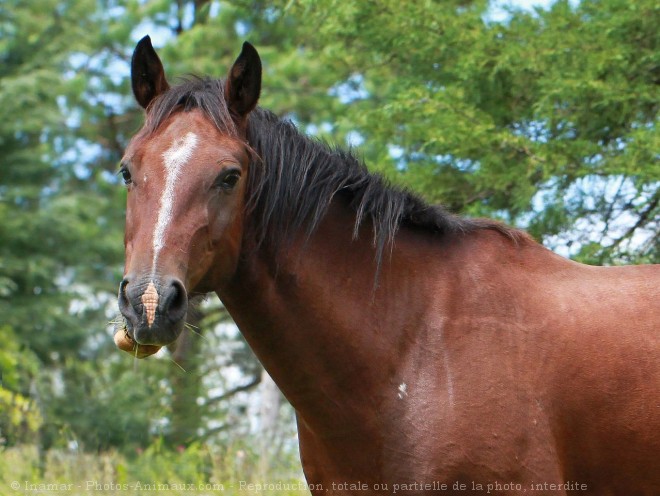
(173, 158)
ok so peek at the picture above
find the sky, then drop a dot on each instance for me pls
(499, 11)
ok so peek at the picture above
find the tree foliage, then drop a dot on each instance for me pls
(60, 230)
(547, 119)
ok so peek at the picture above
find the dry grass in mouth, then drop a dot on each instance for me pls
(194, 329)
(126, 343)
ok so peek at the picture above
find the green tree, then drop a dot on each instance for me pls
(547, 120)
(20, 418)
(60, 228)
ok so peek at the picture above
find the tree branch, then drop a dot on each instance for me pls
(643, 217)
(245, 387)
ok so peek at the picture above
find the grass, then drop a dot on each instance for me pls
(199, 470)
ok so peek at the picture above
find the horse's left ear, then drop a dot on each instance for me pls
(244, 82)
(147, 73)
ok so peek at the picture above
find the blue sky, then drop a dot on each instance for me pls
(499, 11)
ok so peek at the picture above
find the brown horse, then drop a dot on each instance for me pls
(422, 352)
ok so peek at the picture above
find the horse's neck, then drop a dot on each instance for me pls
(327, 335)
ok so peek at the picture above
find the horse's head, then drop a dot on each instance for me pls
(186, 173)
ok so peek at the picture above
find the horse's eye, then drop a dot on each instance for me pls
(228, 179)
(125, 174)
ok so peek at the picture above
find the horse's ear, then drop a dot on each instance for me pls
(147, 74)
(244, 82)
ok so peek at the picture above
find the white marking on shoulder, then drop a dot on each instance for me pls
(173, 158)
(403, 390)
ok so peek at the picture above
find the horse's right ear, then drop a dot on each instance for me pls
(147, 74)
(244, 82)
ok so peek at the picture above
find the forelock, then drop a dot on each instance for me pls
(205, 94)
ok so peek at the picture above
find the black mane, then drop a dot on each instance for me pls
(294, 178)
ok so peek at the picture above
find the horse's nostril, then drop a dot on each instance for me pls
(144, 305)
(176, 301)
(124, 304)
(125, 307)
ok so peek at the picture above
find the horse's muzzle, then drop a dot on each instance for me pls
(155, 310)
